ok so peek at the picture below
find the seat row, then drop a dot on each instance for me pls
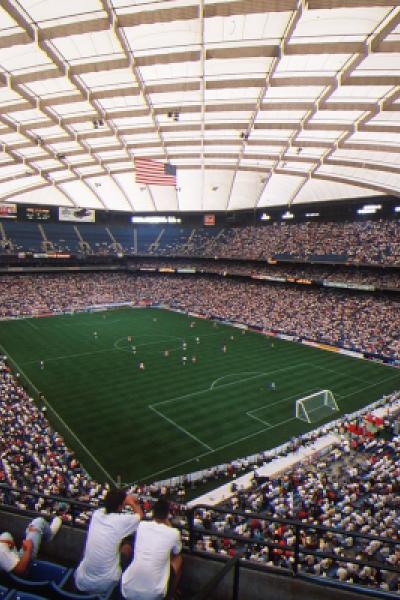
(44, 580)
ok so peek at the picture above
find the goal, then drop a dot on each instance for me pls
(315, 407)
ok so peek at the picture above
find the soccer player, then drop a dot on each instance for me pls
(95, 334)
(141, 366)
(272, 386)
(197, 340)
(184, 360)
(42, 364)
(194, 359)
(166, 353)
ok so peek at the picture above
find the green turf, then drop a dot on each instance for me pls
(170, 418)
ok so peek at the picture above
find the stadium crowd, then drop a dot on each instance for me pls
(388, 279)
(361, 322)
(354, 242)
(370, 242)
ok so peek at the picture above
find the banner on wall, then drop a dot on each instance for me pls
(8, 211)
(78, 215)
(209, 219)
(37, 213)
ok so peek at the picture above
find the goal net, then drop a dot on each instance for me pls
(315, 407)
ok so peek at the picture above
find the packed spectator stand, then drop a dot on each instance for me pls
(369, 242)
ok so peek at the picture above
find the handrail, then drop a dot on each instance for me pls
(74, 504)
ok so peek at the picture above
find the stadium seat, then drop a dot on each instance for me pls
(17, 595)
(38, 578)
(42, 570)
(4, 592)
(57, 593)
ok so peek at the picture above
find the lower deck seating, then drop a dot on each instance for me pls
(39, 578)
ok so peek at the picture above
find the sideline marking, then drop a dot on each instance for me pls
(48, 404)
(28, 322)
(339, 374)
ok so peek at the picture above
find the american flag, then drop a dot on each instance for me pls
(153, 172)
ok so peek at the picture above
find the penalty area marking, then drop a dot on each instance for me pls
(255, 375)
(196, 439)
(203, 454)
(211, 387)
(198, 457)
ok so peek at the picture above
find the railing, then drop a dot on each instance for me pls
(10, 495)
(295, 553)
(212, 584)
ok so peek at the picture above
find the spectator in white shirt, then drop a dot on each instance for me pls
(157, 558)
(109, 526)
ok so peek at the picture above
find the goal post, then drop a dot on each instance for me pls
(315, 407)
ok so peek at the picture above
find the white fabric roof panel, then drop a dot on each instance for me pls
(279, 189)
(246, 189)
(256, 107)
(43, 196)
(315, 190)
(190, 190)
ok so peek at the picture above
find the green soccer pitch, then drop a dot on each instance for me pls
(130, 424)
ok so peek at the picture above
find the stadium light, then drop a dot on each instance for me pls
(265, 217)
(397, 209)
(153, 220)
(312, 214)
(288, 215)
(366, 211)
(369, 209)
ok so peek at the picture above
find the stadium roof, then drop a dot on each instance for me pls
(256, 102)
